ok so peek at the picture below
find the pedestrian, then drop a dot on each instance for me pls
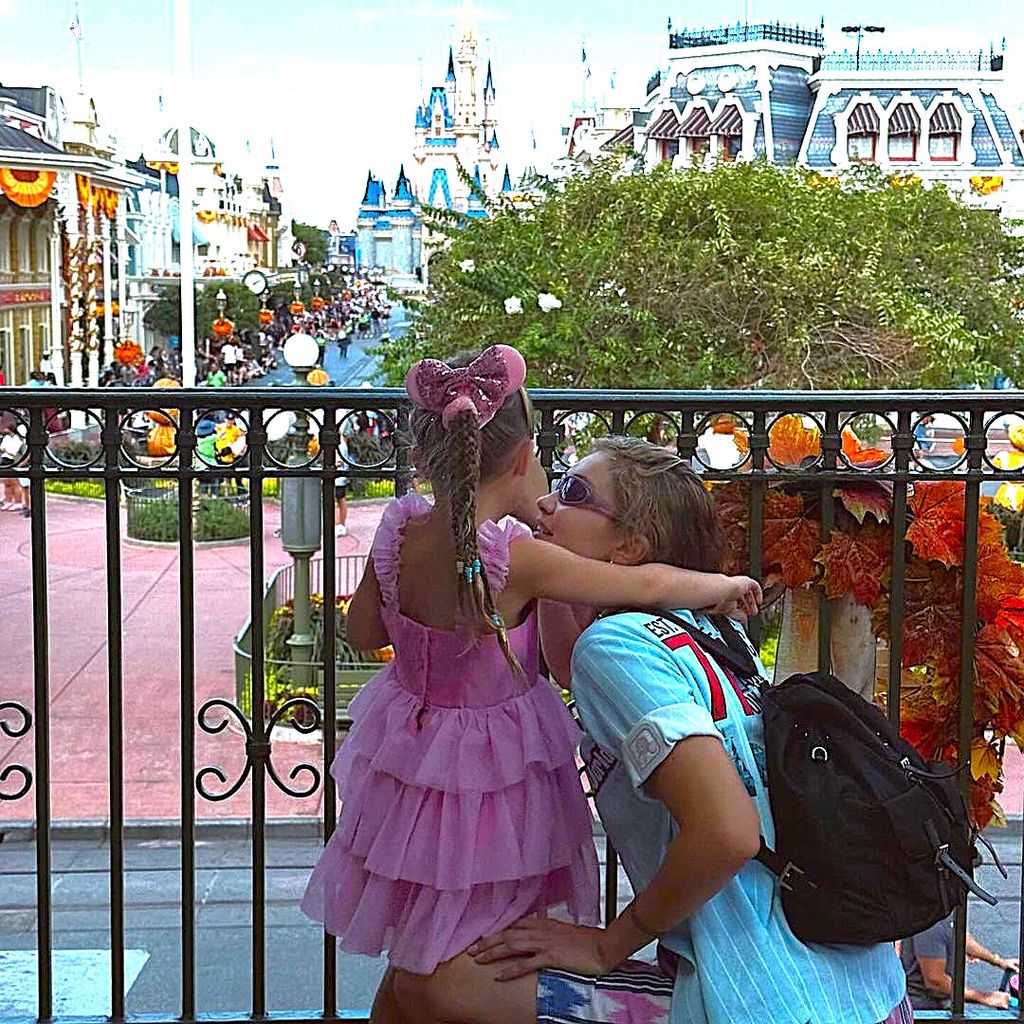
(229, 360)
(341, 489)
(215, 377)
(459, 747)
(12, 450)
(928, 959)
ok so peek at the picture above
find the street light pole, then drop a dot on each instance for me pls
(860, 30)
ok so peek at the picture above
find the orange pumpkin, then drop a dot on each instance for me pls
(160, 418)
(266, 317)
(318, 377)
(297, 308)
(223, 327)
(160, 443)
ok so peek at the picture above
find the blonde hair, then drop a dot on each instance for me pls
(456, 460)
(658, 497)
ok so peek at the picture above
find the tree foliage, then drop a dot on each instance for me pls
(315, 241)
(745, 276)
(242, 307)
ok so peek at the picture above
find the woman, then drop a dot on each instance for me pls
(674, 753)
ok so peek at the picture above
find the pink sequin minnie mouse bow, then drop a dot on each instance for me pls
(480, 388)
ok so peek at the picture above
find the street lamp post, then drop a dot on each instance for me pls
(300, 512)
(859, 31)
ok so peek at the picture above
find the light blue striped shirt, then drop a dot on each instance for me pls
(640, 688)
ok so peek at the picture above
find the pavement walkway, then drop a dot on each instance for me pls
(78, 663)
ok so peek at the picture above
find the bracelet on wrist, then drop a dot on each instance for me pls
(639, 923)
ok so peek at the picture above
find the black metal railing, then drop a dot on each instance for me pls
(769, 33)
(880, 60)
(653, 83)
(909, 445)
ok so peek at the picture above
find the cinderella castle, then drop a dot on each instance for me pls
(455, 126)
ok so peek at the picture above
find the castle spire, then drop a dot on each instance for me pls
(489, 90)
(451, 65)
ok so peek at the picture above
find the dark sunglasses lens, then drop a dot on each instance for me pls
(572, 490)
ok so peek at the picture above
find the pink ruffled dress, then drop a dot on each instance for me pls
(461, 808)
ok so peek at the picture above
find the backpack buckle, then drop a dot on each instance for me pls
(784, 875)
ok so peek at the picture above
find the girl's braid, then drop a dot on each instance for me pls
(474, 601)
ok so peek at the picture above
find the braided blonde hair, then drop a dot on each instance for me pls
(456, 460)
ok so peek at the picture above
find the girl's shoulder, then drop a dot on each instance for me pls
(494, 540)
(385, 552)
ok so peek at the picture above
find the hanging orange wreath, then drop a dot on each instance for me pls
(26, 188)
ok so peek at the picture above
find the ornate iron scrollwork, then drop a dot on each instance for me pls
(259, 751)
(15, 731)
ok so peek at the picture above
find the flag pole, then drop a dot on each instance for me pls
(186, 188)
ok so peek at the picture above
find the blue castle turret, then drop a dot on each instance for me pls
(404, 227)
(372, 211)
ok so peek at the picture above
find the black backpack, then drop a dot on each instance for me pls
(872, 844)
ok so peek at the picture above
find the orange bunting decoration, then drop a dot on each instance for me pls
(223, 327)
(27, 189)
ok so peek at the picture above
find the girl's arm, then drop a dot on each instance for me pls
(560, 628)
(538, 569)
(364, 625)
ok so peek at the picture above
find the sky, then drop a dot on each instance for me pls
(335, 83)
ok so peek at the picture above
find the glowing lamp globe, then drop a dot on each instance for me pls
(301, 351)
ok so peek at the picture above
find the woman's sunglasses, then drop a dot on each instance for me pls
(576, 492)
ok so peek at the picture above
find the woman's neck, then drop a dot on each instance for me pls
(491, 504)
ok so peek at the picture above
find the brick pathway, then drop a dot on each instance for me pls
(78, 653)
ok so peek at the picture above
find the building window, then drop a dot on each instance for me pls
(696, 130)
(944, 129)
(728, 129)
(904, 131)
(862, 134)
(669, 149)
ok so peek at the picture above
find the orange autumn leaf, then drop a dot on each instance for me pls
(1010, 615)
(931, 619)
(937, 531)
(864, 499)
(984, 760)
(857, 453)
(732, 509)
(999, 681)
(791, 540)
(790, 443)
(856, 563)
(999, 578)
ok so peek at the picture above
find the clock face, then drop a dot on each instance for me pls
(255, 282)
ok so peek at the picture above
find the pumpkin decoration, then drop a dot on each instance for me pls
(266, 317)
(297, 308)
(170, 418)
(27, 189)
(128, 353)
(317, 303)
(986, 184)
(317, 377)
(223, 327)
(205, 216)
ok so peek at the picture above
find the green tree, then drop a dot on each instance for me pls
(315, 241)
(242, 307)
(745, 276)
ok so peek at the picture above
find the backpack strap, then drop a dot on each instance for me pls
(732, 652)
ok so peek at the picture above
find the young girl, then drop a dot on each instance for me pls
(461, 810)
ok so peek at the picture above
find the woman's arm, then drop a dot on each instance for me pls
(538, 569)
(560, 628)
(719, 832)
(364, 625)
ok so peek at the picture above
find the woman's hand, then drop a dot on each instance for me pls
(740, 597)
(536, 943)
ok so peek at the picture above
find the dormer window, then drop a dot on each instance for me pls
(904, 132)
(862, 134)
(728, 130)
(944, 128)
(696, 132)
